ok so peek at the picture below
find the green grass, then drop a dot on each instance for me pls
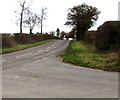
(79, 53)
(23, 46)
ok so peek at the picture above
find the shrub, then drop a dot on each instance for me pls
(89, 37)
(7, 41)
(108, 36)
(41, 37)
(70, 35)
(23, 38)
(37, 37)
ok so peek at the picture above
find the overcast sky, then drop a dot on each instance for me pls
(57, 13)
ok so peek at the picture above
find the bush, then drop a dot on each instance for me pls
(37, 37)
(108, 36)
(89, 37)
(41, 37)
(70, 35)
(7, 41)
(23, 38)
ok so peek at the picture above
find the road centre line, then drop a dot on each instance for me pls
(53, 45)
(48, 47)
(39, 60)
(47, 50)
(23, 55)
(39, 51)
(45, 58)
(3, 60)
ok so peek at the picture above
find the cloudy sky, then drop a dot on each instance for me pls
(56, 13)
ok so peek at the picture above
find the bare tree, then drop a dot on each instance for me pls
(31, 20)
(43, 17)
(23, 8)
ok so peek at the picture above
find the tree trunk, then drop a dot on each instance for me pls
(78, 35)
(21, 21)
(41, 22)
(41, 27)
(31, 31)
(21, 16)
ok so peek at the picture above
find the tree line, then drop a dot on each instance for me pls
(81, 18)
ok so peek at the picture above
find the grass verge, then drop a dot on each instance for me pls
(82, 54)
(23, 46)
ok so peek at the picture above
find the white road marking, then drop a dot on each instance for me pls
(39, 60)
(47, 50)
(45, 58)
(16, 76)
(3, 60)
(53, 45)
(39, 51)
(17, 56)
(36, 61)
(48, 47)
(23, 55)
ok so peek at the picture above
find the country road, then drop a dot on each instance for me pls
(37, 73)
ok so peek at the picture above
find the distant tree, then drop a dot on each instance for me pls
(21, 13)
(63, 34)
(58, 31)
(43, 17)
(31, 20)
(81, 18)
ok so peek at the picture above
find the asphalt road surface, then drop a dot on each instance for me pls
(37, 73)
